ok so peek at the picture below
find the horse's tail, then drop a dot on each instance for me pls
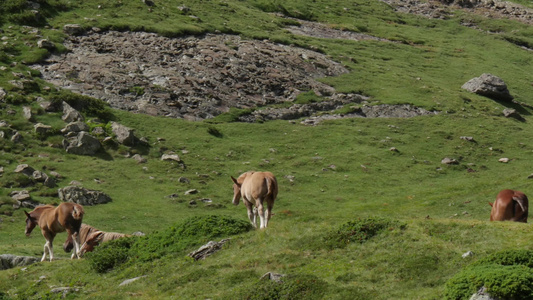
(520, 202)
(77, 212)
(271, 186)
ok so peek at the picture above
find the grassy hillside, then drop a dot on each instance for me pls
(331, 174)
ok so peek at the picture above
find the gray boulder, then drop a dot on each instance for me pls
(76, 126)
(70, 114)
(8, 261)
(125, 135)
(46, 44)
(82, 144)
(207, 249)
(73, 29)
(83, 196)
(42, 129)
(489, 86)
(25, 169)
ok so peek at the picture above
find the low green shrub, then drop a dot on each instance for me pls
(174, 240)
(358, 231)
(506, 275)
(291, 287)
(110, 255)
(91, 106)
(191, 232)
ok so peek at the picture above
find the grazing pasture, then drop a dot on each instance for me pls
(353, 219)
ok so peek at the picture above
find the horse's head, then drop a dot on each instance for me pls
(31, 222)
(236, 191)
(92, 241)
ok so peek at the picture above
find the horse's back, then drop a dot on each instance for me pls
(510, 205)
(260, 184)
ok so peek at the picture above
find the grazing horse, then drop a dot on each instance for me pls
(52, 220)
(85, 231)
(91, 237)
(255, 188)
(97, 237)
(510, 205)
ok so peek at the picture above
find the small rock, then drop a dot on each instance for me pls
(191, 192)
(468, 254)
(504, 160)
(449, 161)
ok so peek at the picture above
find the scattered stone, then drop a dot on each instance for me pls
(504, 160)
(46, 44)
(17, 137)
(393, 149)
(65, 290)
(26, 113)
(3, 94)
(184, 180)
(489, 86)
(70, 114)
(191, 192)
(467, 138)
(82, 144)
(207, 249)
(449, 161)
(272, 276)
(25, 169)
(42, 129)
(512, 113)
(139, 159)
(482, 294)
(128, 281)
(76, 126)
(468, 254)
(173, 157)
(73, 29)
(124, 134)
(82, 195)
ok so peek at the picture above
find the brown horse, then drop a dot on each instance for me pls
(52, 220)
(91, 237)
(255, 188)
(98, 237)
(510, 205)
(85, 231)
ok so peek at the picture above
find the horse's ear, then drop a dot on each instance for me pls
(490, 203)
(27, 214)
(234, 180)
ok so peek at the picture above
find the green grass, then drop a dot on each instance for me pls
(331, 175)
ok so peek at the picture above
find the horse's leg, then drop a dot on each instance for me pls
(261, 211)
(44, 250)
(76, 240)
(251, 214)
(268, 213)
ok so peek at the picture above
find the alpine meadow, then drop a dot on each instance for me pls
(385, 163)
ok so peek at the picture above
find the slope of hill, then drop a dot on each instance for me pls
(379, 179)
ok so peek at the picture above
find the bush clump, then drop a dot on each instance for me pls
(110, 255)
(291, 287)
(191, 232)
(91, 106)
(506, 275)
(358, 231)
(176, 239)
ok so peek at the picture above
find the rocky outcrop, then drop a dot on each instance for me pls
(192, 78)
(490, 86)
(8, 261)
(82, 196)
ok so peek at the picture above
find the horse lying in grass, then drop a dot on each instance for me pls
(52, 220)
(91, 237)
(510, 205)
(255, 188)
